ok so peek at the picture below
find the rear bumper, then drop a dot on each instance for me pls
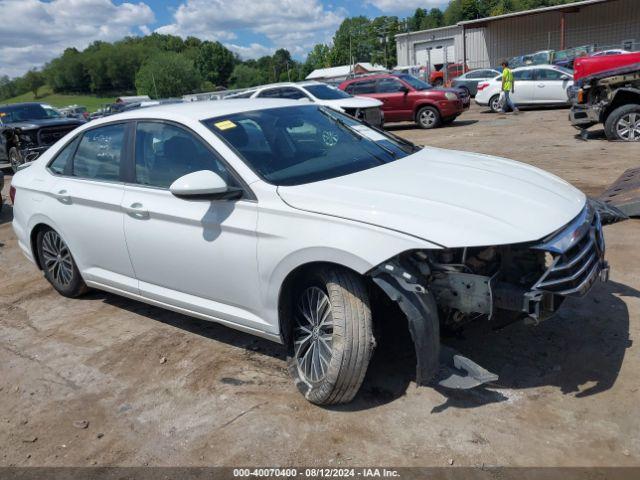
(584, 116)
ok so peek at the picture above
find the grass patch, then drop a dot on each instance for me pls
(45, 95)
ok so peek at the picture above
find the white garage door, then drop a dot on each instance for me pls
(435, 52)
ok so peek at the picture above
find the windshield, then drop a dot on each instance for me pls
(325, 92)
(21, 113)
(303, 144)
(415, 82)
(564, 70)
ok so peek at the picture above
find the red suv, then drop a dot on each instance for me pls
(407, 98)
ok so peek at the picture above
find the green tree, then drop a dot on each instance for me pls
(167, 74)
(319, 57)
(352, 37)
(434, 19)
(215, 62)
(244, 76)
(33, 81)
(415, 22)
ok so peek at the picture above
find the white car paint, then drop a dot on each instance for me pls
(338, 104)
(226, 261)
(532, 91)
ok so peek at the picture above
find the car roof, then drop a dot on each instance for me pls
(286, 84)
(199, 110)
(373, 77)
(21, 104)
(531, 67)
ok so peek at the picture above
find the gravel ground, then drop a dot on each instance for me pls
(107, 381)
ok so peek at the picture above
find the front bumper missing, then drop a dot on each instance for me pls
(576, 263)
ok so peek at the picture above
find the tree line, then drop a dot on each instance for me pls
(167, 66)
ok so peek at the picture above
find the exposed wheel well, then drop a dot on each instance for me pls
(33, 237)
(622, 98)
(288, 289)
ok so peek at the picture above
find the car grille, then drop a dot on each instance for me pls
(372, 115)
(577, 257)
(49, 136)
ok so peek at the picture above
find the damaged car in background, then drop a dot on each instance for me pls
(302, 225)
(28, 129)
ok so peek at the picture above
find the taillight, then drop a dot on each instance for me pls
(482, 86)
(12, 194)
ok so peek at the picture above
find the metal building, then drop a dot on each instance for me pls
(487, 41)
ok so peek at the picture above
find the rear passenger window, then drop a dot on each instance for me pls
(523, 75)
(59, 165)
(98, 155)
(367, 86)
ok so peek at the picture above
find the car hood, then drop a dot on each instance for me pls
(353, 102)
(451, 198)
(45, 122)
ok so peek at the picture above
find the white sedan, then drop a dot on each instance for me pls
(364, 108)
(533, 85)
(296, 223)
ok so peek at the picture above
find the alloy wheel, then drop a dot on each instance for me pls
(57, 258)
(495, 105)
(313, 334)
(428, 118)
(628, 127)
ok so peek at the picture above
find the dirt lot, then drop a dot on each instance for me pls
(568, 392)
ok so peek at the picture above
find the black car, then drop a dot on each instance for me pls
(28, 129)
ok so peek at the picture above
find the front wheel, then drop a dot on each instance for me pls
(428, 117)
(59, 267)
(624, 124)
(15, 159)
(332, 336)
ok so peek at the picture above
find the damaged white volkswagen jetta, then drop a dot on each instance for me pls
(302, 225)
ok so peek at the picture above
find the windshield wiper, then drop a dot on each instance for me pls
(356, 133)
(342, 123)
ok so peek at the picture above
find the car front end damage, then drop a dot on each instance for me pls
(449, 288)
(30, 143)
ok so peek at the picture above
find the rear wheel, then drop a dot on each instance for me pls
(494, 104)
(59, 267)
(332, 340)
(428, 117)
(624, 124)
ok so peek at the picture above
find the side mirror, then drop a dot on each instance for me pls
(203, 184)
(404, 89)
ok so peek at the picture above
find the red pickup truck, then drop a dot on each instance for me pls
(407, 98)
(609, 93)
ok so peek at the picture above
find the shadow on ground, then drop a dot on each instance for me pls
(580, 350)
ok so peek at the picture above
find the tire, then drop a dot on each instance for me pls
(58, 265)
(466, 91)
(15, 159)
(623, 124)
(494, 104)
(428, 118)
(341, 329)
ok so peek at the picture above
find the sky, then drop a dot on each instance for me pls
(35, 31)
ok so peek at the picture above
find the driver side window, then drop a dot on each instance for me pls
(165, 152)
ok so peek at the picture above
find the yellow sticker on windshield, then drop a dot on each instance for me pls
(225, 125)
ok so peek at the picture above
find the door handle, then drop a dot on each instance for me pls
(63, 197)
(541, 85)
(136, 210)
